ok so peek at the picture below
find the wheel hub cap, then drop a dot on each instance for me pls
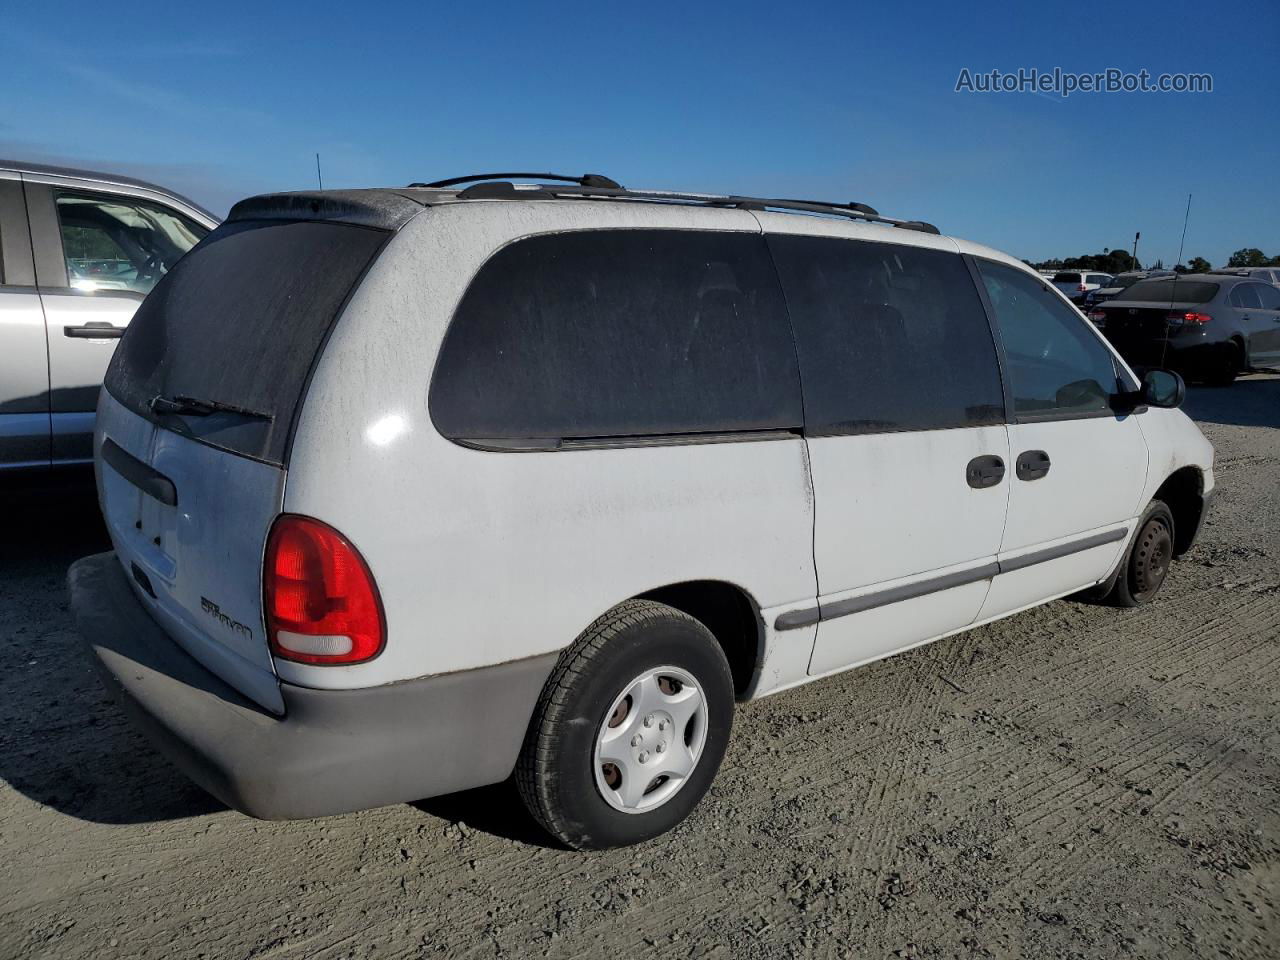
(651, 740)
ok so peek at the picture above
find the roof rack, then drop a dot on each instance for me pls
(497, 189)
(586, 180)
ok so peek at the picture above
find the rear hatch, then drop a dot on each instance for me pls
(195, 420)
(1138, 321)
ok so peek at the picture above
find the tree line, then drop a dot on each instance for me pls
(1120, 261)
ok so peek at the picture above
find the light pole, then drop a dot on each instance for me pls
(1135, 249)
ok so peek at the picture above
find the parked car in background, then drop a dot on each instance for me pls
(1075, 284)
(1119, 283)
(1210, 326)
(78, 252)
(1265, 274)
(544, 478)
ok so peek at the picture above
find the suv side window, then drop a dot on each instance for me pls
(889, 337)
(1245, 295)
(619, 333)
(119, 243)
(1057, 366)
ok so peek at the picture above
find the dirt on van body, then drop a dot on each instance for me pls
(1075, 781)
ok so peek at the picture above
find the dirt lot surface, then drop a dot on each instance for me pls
(1072, 782)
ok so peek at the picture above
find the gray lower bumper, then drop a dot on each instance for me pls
(334, 750)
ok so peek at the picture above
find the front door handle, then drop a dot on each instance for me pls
(94, 330)
(1032, 465)
(983, 472)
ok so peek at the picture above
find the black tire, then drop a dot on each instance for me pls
(1146, 565)
(1226, 364)
(555, 773)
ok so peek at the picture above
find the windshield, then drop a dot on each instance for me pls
(1172, 291)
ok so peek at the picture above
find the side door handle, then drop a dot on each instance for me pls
(1032, 465)
(983, 472)
(94, 330)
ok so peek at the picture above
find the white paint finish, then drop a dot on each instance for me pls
(1173, 441)
(785, 654)
(894, 508)
(890, 505)
(1098, 470)
(24, 380)
(485, 557)
(1019, 589)
(872, 634)
(210, 545)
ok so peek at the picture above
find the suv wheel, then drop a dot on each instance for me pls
(630, 729)
(1147, 563)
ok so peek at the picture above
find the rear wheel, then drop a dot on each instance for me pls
(1147, 563)
(630, 729)
(1226, 365)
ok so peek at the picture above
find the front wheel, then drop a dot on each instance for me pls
(1147, 563)
(630, 729)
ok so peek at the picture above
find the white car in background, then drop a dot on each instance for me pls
(1074, 284)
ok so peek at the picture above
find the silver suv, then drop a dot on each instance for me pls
(78, 252)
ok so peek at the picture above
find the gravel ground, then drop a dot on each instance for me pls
(1072, 782)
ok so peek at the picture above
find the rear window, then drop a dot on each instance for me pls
(1172, 291)
(619, 333)
(239, 321)
(1066, 278)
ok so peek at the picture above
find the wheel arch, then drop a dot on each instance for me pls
(730, 613)
(1183, 492)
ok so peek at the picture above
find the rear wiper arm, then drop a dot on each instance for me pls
(195, 407)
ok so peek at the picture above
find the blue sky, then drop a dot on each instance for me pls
(842, 101)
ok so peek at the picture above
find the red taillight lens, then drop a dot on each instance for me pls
(1193, 319)
(322, 604)
(1098, 316)
(1081, 288)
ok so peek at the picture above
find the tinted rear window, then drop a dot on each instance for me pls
(890, 337)
(1172, 291)
(1066, 278)
(239, 321)
(621, 333)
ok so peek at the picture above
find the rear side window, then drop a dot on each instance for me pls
(618, 333)
(238, 321)
(1246, 295)
(1057, 367)
(889, 337)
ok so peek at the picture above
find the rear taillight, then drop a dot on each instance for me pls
(1081, 288)
(321, 602)
(1179, 318)
(1098, 316)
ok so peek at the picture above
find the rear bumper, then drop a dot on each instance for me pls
(334, 750)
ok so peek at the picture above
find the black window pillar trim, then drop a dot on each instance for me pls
(46, 237)
(1006, 381)
(833, 610)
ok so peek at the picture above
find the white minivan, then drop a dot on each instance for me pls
(413, 489)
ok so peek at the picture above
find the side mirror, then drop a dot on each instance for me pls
(1163, 388)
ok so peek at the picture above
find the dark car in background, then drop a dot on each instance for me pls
(1212, 327)
(1269, 275)
(1119, 283)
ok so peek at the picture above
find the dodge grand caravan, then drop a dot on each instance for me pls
(413, 489)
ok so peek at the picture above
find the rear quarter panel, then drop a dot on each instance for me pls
(485, 557)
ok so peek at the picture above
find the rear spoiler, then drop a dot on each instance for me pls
(381, 209)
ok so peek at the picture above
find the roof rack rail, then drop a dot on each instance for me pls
(586, 180)
(504, 190)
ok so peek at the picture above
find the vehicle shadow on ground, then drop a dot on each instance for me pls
(1253, 401)
(495, 809)
(66, 744)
